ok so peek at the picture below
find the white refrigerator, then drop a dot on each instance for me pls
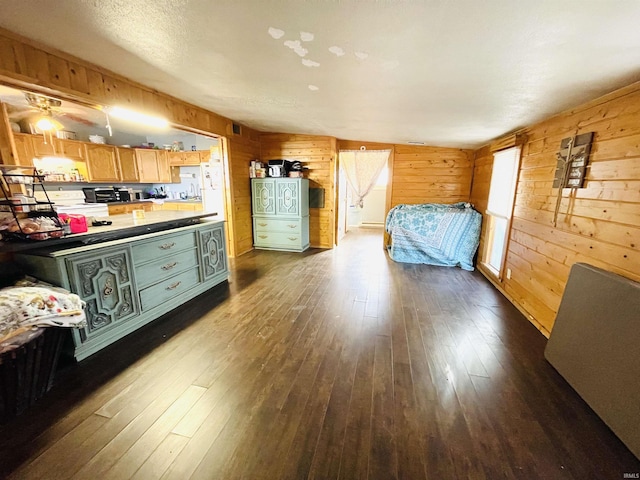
(212, 188)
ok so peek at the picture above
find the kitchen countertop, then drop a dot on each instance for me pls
(123, 226)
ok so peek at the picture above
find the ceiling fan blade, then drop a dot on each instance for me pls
(77, 119)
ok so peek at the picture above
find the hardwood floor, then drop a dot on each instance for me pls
(333, 364)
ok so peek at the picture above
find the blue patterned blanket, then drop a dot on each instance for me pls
(435, 234)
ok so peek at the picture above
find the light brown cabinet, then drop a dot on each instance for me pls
(177, 159)
(44, 145)
(128, 165)
(70, 148)
(102, 163)
(24, 149)
(186, 206)
(30, 146)
(153, 166)
(120, 208)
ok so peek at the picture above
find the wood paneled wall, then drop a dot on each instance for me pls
(27, 64)
(318, 154)
(240, 153)
(483, 165)
(598, 224)
(431, 175)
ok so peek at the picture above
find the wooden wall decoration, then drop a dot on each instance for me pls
(573, 158)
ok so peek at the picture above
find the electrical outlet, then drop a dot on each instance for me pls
(508, 274)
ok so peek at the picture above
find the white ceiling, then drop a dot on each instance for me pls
(443, 72)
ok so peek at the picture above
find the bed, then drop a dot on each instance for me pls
(434, 234)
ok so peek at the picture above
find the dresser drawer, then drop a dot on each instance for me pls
(277, 225)
(166, 267)
(278, 240)
(161, 292)
(146, 251)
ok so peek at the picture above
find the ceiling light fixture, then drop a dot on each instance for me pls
(46, 123)
(137, 117)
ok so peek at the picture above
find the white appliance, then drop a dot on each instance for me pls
(72, 202)
(212, 188)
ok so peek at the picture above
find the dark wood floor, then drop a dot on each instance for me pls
(327, 364)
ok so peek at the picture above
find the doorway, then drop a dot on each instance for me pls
(362, 189)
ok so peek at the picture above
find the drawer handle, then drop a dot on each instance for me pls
(293, 239)
(263, 236)
(292, 226)
(173, 286)
(169, 266)
(167, 246)
(263, 224)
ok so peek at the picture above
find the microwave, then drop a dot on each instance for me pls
(99, 195)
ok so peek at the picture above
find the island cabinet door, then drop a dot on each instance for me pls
(213, 255)
(105, 282)
(263, 196)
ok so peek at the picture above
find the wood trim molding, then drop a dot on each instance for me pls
(508, 141)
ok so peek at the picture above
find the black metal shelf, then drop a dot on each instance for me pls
(25, 225)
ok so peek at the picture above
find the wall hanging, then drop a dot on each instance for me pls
(573, 158)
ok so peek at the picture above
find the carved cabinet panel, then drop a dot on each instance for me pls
(106, 284)
(212, 251)
(264, 197)
(288, 197)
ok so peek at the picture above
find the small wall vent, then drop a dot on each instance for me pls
(235, 128)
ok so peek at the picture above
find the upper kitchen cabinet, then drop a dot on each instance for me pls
(24, 149)
(128, 165)
(43, 145)
(102, 163)
(153, 166)
(72, 149)
(177, 159)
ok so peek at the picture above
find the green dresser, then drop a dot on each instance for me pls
(280, 213)
(129, 282)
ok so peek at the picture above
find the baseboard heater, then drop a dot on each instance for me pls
(594, 345)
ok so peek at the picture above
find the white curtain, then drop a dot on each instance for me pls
(362, 168)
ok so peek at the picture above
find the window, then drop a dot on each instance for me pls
(500, 207)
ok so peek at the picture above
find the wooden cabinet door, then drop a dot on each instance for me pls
(44, 145)
(164, 170)
(147, 165)
(205, 156)
(102, 163)
(128, 165)
(191, 158)
(176, 158)
(24, 149)
(71, 149)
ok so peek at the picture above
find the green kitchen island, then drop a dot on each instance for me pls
(133, 271)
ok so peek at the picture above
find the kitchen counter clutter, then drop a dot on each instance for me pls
(135, 277)
(122, 226)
